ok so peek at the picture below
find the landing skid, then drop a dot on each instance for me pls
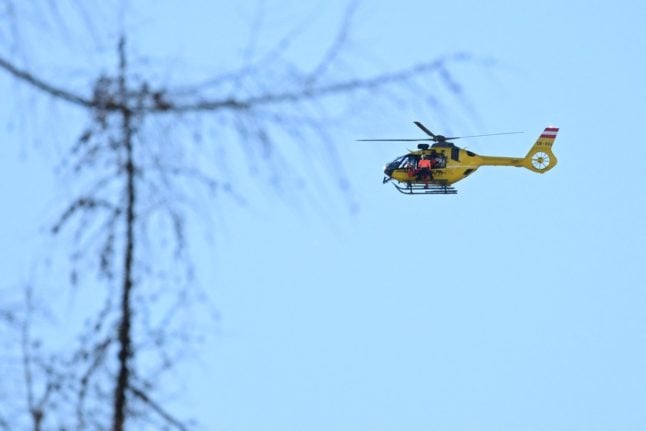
(425, 189)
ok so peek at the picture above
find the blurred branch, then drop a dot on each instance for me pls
(8, 316)
(159, 103)
(82, 203)
(96, 355)
(167, 417)
(305, 92)
(25, 344)
(50, 89)
(36, 408)
(339, 41)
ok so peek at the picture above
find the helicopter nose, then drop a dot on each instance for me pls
(388, 172)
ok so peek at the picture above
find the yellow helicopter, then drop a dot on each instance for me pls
(433, 169)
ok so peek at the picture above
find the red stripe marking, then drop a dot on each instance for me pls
(551, 129)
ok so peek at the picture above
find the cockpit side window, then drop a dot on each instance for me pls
(440, 161)
(404, 162)
(410, 162)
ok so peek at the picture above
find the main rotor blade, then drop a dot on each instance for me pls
(421, 126)
(394, 140)
(488, 134)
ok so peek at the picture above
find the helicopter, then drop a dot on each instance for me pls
(434, 168)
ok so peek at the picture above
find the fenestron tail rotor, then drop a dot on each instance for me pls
(433, 137)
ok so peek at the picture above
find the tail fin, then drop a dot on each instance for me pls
(540, 157)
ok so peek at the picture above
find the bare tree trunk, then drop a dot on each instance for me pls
(124, 337)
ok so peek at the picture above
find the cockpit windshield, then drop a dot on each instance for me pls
(404, 162)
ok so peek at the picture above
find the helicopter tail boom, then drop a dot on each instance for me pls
(540, 158)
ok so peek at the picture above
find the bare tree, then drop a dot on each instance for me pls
(136, 179)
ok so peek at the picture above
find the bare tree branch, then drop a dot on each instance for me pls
(167, 417)
(36, 414)
(97, 356)
(335, 49)
(161, 105)
(7, 316)
(82, 203)
(305, 93)
(52, 90)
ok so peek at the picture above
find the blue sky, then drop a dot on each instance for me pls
(516, 304)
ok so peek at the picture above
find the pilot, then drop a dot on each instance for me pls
(424, 168)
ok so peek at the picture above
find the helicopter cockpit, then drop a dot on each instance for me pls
(410, 161)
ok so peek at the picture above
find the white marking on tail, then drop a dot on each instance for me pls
(550, 132)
